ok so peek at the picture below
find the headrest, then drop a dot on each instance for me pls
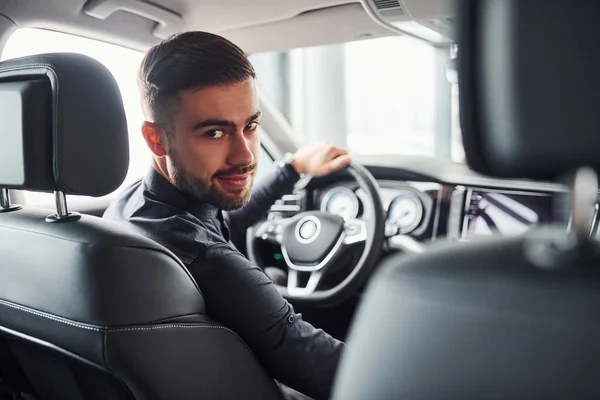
(62, 125)
(529, 86)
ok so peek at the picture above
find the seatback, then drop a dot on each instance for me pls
(477, 321)
(88, 309)
(501, 318)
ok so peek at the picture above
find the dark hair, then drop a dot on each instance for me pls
(190, 60)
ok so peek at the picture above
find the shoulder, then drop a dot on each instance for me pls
(176, 229)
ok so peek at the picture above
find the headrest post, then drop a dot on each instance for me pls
(62, 211)
(5, 203)
(4, 198)
(61, 204)
(584, 197)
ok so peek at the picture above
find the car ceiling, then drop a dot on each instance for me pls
(255, 25)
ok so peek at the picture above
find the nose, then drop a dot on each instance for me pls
(241, 151)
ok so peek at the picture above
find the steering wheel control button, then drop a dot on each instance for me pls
(308, 229)
(270, 231)
(353, 229)
(356, 231)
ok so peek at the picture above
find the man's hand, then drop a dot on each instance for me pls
(320, 159)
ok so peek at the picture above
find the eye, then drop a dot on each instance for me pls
(215, 134)
(252, 126)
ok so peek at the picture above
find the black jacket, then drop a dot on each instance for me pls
(237, 292)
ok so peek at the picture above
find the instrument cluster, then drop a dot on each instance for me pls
(403, 206)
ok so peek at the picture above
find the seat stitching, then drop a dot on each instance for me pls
(14, 228)
(53, 318)
(149, 328)
(101, 329)
(185, 326)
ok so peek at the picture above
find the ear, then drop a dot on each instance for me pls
(155, 138)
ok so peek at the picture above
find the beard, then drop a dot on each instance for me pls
(207, 191)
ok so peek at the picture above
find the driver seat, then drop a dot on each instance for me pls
(88, 309)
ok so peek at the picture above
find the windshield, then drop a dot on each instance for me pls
(375, 96)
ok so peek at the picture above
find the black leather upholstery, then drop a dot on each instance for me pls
(88, 309)
(477, 321)
(61, 128)
(529, 86)
(109, 252)
(92, 291)
(504, 318)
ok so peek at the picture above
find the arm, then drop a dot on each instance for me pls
(239, 295)
(280, 182)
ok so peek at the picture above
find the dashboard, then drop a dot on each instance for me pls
(425, 200)
(429, 199)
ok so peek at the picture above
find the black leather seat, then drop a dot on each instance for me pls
(89, 310)
(504, 318)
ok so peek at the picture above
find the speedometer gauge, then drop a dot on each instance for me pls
(342, 202)
(405, 211)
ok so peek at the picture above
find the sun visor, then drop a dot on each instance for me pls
(530, 86)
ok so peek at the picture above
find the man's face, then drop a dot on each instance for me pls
(214, 148)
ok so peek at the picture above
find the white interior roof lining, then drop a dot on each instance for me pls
(262, 24)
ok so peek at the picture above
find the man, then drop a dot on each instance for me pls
(200, 100)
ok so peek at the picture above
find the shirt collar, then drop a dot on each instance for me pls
(169, 194)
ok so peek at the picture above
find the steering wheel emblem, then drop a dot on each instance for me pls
(308, 229)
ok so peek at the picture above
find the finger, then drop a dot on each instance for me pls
(324, 145)
(335, 152)
(336, 164)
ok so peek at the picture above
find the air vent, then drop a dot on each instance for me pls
(387, 4)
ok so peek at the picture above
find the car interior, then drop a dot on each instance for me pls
(466, 263)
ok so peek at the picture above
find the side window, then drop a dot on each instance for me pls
(122, 62)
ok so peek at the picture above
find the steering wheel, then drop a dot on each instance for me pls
(312, 241)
